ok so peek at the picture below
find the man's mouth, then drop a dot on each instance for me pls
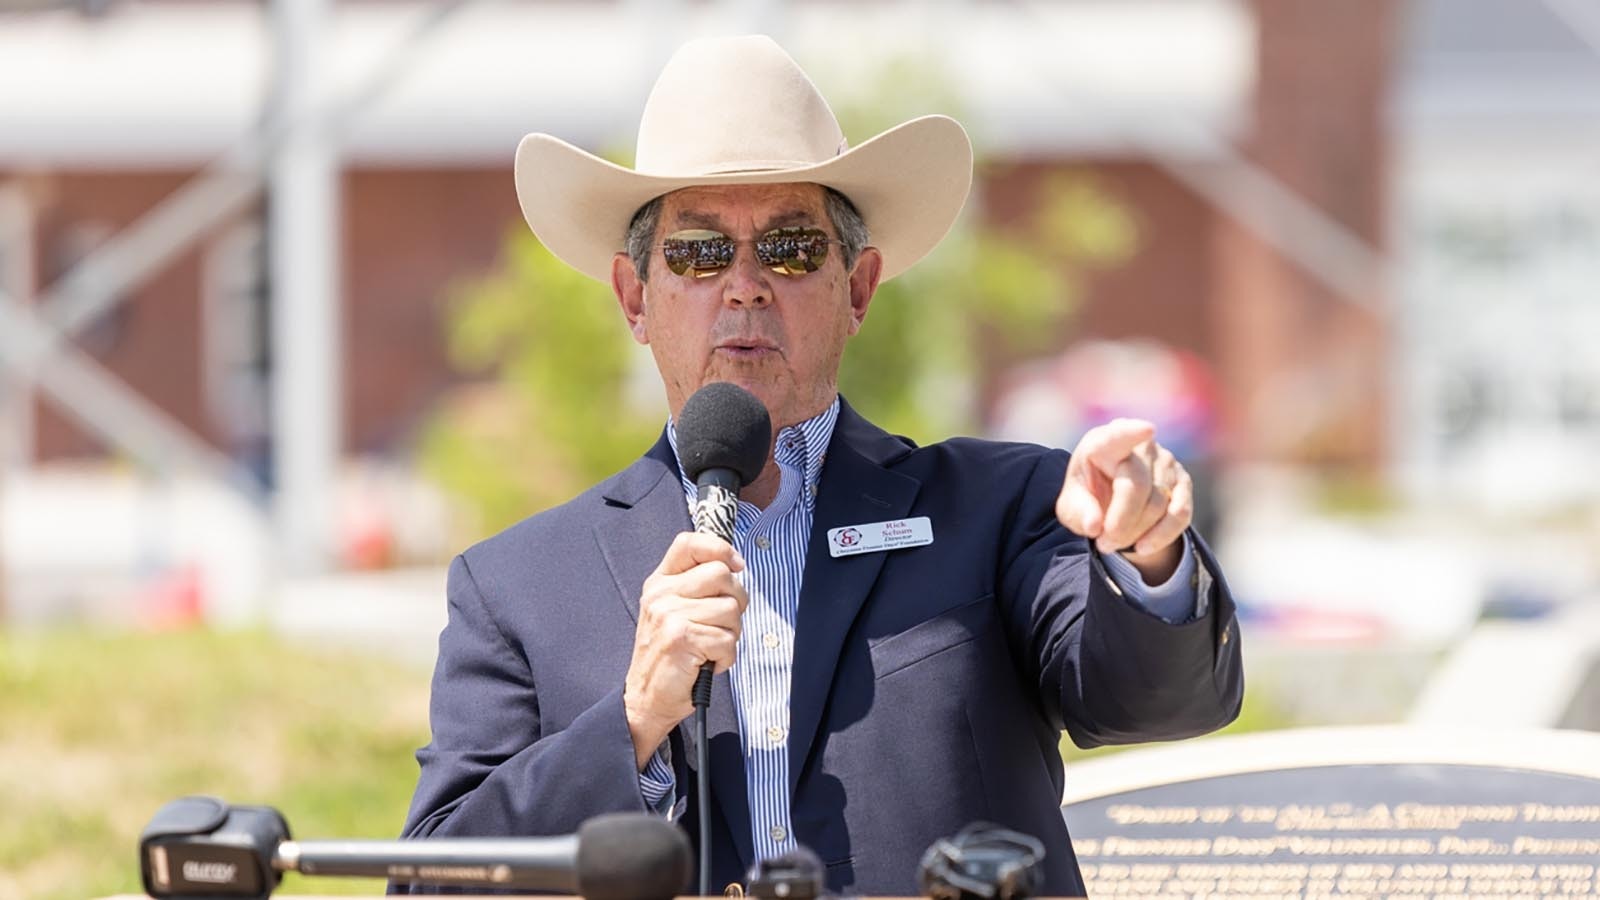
(746, 348)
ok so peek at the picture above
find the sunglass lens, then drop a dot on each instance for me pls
(788, 251)
(793, 251)
(698, 253)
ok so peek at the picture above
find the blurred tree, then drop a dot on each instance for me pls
(557, 413)
(564, 405)
(987, 294)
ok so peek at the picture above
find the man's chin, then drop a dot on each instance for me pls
(765, 385)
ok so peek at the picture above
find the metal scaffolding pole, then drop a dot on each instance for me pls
(303, 251)
(104, 404)
(35, 345)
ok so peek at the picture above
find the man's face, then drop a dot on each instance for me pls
(778, 336)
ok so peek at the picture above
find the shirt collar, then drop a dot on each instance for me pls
(803, 446)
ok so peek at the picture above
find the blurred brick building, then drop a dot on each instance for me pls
(1155, 98)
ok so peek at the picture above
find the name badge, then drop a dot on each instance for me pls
(891, 535)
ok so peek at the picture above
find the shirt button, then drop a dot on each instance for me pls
(770, 641)
(775, 734)
(811, 490)
(778, 832)
(762, 542)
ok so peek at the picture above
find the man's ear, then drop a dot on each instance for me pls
(863, 285)
(629, 289)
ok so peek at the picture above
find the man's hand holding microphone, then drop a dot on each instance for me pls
(689, 614)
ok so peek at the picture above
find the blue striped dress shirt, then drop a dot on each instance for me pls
(773, 543)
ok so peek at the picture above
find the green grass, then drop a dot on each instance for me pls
(97, 731)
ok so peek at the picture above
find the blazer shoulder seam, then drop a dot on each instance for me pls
(483, 602)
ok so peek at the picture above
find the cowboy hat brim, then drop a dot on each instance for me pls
(909, 184)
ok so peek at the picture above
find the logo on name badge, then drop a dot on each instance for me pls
(891, 535)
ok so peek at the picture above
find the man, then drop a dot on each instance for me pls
(866, 703)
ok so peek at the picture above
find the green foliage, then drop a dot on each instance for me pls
(101, 730)
(986, 293)
(559, 411)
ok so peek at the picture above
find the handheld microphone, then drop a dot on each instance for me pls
(202, 847)
(724, 439)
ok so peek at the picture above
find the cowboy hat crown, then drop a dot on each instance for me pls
(739, 110)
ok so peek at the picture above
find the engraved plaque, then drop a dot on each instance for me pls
(1266, 824)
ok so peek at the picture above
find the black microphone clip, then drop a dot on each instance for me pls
(796, 875)
(982, 862)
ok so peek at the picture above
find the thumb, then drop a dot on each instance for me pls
(1079, 511)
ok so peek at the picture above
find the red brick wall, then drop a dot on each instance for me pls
(1163, 290)
(1306, 371)
(1302, 373)
(407, 235)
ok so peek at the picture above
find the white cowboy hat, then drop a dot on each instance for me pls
(738, 110)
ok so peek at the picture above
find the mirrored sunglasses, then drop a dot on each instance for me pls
(699, 253)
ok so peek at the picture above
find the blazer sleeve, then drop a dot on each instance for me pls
(1109, 671)
(490, 770)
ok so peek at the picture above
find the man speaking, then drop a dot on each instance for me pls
(900, 633)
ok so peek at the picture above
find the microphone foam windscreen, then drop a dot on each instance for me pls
(632, 856)
(723, 426)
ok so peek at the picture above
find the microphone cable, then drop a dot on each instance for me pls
(701, 696)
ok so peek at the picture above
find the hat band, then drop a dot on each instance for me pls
(735, 168)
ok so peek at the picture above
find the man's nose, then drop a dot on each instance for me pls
(747, 282)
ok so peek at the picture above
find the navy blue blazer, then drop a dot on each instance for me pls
(930, 686)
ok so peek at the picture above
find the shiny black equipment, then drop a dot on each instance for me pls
(982, 862)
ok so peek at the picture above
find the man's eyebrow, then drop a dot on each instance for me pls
(699, 219)
(790, 217)
(695, 219)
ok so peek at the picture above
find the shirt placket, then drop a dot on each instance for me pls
(766, 648)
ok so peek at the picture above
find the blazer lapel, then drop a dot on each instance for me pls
(856, 488)
(648, 510)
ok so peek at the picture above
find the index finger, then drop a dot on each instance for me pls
(691, 548)
(1108, 445)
